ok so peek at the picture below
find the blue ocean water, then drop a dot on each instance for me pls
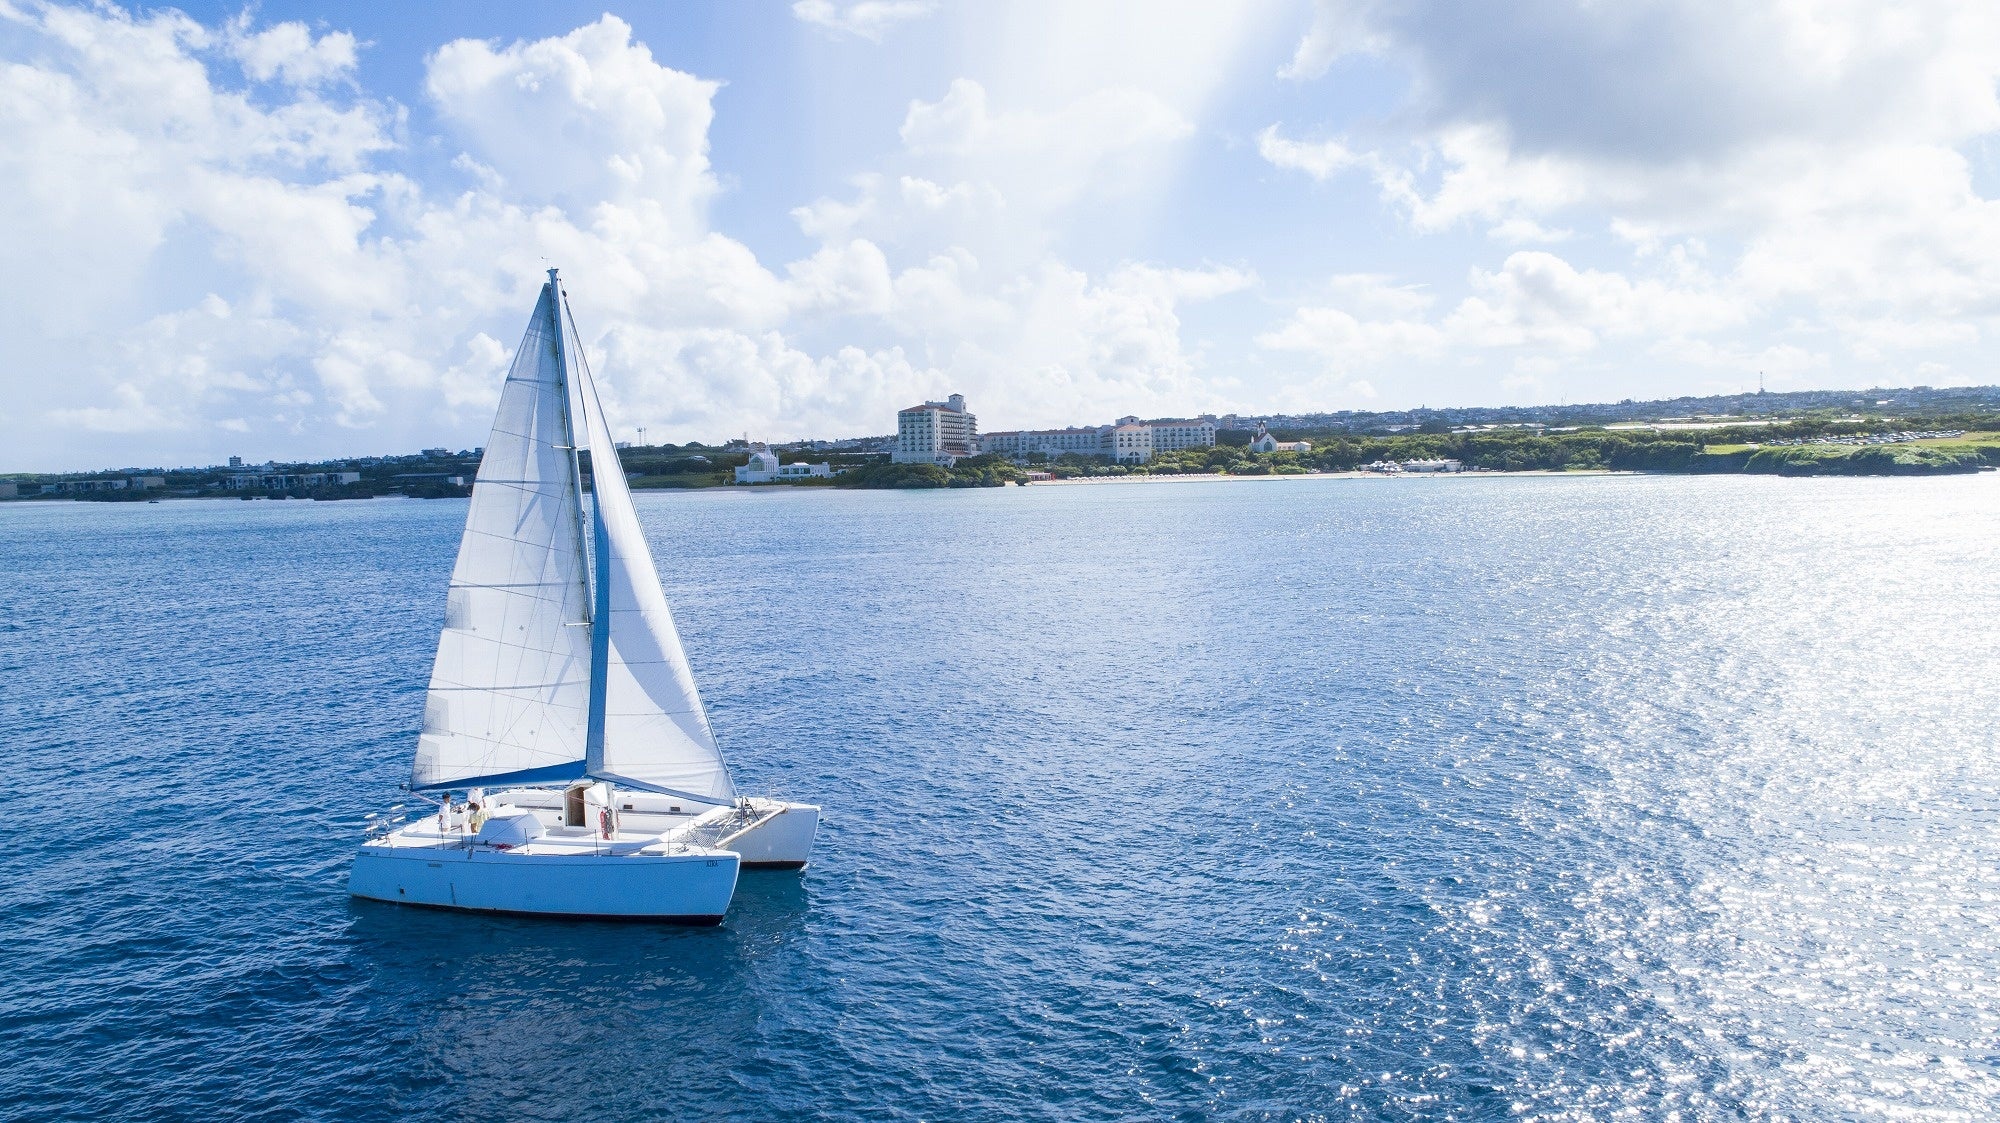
(1549, 798)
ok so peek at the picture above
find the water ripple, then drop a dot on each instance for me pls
(1468, 799)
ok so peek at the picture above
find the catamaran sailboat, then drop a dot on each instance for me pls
(561, 706)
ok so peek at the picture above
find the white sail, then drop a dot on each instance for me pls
(655, 732)
(510, 690)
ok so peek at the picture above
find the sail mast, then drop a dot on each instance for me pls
(568, 420)
(595, 554)
(598, 554)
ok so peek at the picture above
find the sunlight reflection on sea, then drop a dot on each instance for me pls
(1472, 798)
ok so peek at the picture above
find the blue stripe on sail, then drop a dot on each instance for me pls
(600, 625)
(571, 770)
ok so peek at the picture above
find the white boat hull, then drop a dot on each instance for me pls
(691, 887)
(780, 839)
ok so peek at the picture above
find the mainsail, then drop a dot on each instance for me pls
(558, 662)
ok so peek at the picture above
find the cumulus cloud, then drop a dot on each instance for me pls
(291, 53)
(232, 240)
(629, 128)
(1814, 150)
(1663, 80)
(1342, 341)
(1052, 344)
(344, 293)
(1104, 143)
(1322, 159)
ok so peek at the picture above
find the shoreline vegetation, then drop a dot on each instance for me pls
(1765, 450)
(1943, 445)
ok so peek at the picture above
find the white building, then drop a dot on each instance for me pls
(1131, 441)
(1433, 466)
(935, 433)
(764, 468)
(1265, 442)
(1128, 441)
(1088, 440)
(294, 481)
(1174, 433)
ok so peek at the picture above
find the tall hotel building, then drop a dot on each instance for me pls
(936, 433)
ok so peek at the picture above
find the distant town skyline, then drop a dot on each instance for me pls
(1089, 436)
(288, 233)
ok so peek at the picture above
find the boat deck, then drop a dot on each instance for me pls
(639, 832)
(557, 841)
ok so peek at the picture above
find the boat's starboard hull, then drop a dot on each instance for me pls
(780, 839)
(692, 888)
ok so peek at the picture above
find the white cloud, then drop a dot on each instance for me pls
(1660, 81)
(1781, 364)
(1812, 152)
(999, 183)
(1519, 230)
(1338, 29)
(1378, 295)
(290, 52)
(850, 279)
(1341, 341)
(1322, 159)
(1098, 144)
(351, 295)
(1801, 187)
(1537, 299)
(132, 414)
(581, 119)
(1052, 344)
(347, 294)
(867, 19)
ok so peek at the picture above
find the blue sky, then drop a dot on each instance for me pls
(286, 232)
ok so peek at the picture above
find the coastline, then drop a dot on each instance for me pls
(781, 488)
(1352, 475)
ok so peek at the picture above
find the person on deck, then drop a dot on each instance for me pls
(478, 817)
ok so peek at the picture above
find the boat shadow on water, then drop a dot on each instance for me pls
(769, 907)
(506, 1015)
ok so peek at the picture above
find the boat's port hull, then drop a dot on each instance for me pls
(673, 888)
